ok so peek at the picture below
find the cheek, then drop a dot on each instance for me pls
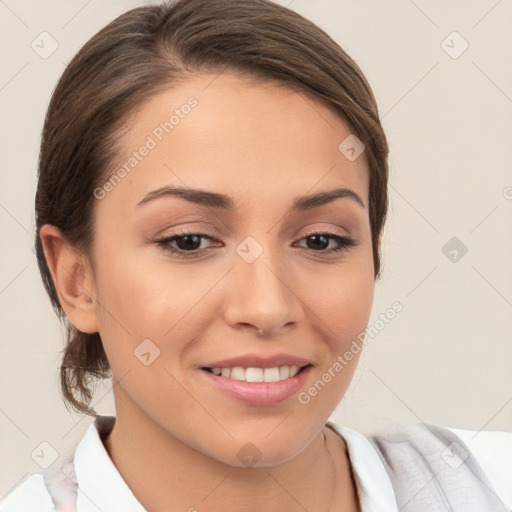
(348, 305)
(342, 297)
(144, 296)
(341, 303)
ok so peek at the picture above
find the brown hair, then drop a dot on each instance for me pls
(149, 49)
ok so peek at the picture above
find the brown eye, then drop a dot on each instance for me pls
(319, 242)
(188, 242)
(185, 245)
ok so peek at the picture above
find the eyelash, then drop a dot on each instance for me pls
(344, 243)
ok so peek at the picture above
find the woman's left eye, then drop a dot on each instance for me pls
(343, 242)
(188, 245)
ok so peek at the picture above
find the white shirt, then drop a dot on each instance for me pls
(102, 488)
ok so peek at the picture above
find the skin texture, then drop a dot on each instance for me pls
(176, 437)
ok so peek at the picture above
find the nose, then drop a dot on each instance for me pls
(263, 295)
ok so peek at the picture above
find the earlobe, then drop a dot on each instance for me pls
(72, 278)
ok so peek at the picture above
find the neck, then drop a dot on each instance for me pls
(160, 469)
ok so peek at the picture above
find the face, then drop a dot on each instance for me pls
(182, 282)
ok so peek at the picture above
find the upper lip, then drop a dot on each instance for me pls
(258, 361)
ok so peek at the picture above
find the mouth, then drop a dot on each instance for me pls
(251, 387)
(255, 374)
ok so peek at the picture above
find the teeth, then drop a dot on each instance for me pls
(258, 374)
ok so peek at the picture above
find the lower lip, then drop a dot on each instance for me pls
(262, 394)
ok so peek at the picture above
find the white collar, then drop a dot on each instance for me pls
(373, 484)
(103, 488)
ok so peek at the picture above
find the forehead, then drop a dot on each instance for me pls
(223, 132)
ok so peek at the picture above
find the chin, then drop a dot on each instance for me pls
(260, 450)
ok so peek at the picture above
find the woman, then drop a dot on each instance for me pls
(245, 129)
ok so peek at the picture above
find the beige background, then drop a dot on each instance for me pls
(447, 357)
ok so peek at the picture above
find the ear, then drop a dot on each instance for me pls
(72, 277)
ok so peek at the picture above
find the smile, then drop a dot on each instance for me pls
(237, 383)
(275, 374)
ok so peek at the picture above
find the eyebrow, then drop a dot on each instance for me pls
(224, 202)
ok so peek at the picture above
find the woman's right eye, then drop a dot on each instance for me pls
(189, 244)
